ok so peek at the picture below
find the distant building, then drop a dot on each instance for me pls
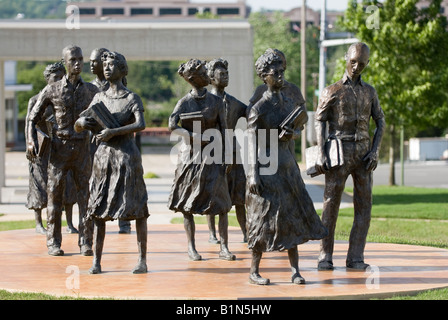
(423, 149)
(14, 128)
(425, 4)
(158, 9)
(312, 17)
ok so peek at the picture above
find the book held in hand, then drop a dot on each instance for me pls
(296, 119)
(102, 116)
(191, 117)
(335, 156)
(43, 143)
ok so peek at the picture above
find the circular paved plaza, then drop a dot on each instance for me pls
(395, 269)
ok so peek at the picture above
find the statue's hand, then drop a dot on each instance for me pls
(105, 135)
(322, 165)
(289, 134)
(255, 184)
(371, 160)
(85, 123)
(31, 153)
(89, 123)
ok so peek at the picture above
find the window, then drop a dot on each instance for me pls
(192, 11)
(170, 11)
(228, 11)
(137, 11)
(86, 10)
(107, 11)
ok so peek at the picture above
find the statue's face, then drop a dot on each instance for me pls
(96, 66)
(111, 70)
(275, 77)
(200, 78)
(74, 61)
(221, 77)
(357, 59)
(55, 76)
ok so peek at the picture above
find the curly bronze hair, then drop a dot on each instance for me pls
(52, 68)
(189, 68)
(215, 63)
(267, 59)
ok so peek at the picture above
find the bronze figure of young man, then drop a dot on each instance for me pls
(347, 107)
(69, 149)
(219, 77)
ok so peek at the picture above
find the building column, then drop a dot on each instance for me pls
(2, 127)
(241, 77)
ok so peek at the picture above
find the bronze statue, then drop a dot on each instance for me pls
(69, 149)
(200, 185)
(37, 192)
(347, 107)
(235, 109)
(96, 67)
(280, 212)
(117, 187)
(289, 90)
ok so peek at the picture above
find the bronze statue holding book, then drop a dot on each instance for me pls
(280, 212)
(117, 187)
(199, 185)
(347, 107)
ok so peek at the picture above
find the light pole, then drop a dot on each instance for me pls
(322, 48)
(303, 69)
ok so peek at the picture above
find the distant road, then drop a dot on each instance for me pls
(431, 174)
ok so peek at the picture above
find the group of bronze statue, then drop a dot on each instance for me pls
(82, 149)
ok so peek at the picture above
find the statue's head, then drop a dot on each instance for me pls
(278, 53)
(194, 72)
(217, 70)
(270, 68)
(96, 64)
(114, 65)
(73, 59)
(357, 59)
(54, 72)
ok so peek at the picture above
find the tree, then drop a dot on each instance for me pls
(49, 9)
(407, 62)
(30, 73)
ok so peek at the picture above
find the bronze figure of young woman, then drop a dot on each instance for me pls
(280, 212)
(117, 187)
(200, 185)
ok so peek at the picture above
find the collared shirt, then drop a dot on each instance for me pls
(67, 103)
(347, 107)
(102, 86)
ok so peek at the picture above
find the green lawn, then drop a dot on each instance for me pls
(404, 215)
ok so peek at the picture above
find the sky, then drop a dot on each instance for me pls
(286, 5)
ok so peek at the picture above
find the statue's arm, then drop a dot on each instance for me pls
(34, 116)
(371, 158)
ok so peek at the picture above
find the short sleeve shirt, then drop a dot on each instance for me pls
(348, 107)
